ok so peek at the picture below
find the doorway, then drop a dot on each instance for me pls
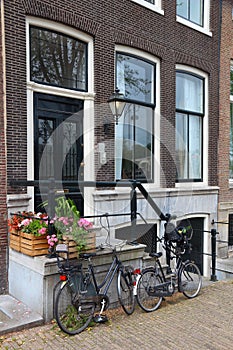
(58, 140)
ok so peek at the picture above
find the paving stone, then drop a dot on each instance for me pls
(189, 324)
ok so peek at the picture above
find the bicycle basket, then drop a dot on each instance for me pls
(174, 235)
(183, 231)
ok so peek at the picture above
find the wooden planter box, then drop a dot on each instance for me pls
(90, 239)
(33, 245)
(15, 240)
(28, 244)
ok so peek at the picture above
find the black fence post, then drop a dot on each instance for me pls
(133, 205)
(213, 252)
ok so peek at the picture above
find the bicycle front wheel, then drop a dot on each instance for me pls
(125, 291)
(146, 283)
(190, 280)
(72, 312)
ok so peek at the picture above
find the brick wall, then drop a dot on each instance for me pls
(224, 105)
(3, 177)
(110, 23)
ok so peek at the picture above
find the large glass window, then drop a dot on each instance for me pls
(134, 133)
(57, 59)
(189, 126)
(192, 10)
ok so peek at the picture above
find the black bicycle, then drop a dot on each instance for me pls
(154, 283)
(79, 295)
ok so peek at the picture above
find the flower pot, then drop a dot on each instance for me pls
(90, 242)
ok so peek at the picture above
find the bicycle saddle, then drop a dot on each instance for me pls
(86, 255)
(156, 255)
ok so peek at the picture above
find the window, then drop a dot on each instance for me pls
(135, 78)
(192, 10)
(189, 126)
(195, 14)
(57, 59)
(154, 5)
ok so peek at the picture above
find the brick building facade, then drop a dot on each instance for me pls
(156, 38)
(3, 172)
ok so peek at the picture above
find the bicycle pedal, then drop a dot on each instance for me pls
(100, 318)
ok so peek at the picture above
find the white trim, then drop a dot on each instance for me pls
(206, 25)
(87, 97)
(154, 7)
(149, 57)
(187, 69)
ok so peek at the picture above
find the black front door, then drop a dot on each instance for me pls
(197, 242)
(58, 144)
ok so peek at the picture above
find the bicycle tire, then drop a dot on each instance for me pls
(72, 312)
(148, 279)
(125, 291)
(190, 280)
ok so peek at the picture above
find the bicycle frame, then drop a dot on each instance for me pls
(108, 278)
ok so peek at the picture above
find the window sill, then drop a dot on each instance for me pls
(149, 6)
(193, 26)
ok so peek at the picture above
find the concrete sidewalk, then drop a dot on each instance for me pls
(180, 323)
(15, 315)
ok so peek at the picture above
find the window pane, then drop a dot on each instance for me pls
(135, 78)
(58, 60)
(231, 142)
(182, 8)
(189, 93)
(182, 146)
(195, 147)
(192, 10)
(196, 11)
(134, 142)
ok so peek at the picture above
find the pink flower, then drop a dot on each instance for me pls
(26, 222)
(42, 231)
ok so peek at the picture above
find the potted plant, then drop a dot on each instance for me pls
(28, 233)
(71, 229)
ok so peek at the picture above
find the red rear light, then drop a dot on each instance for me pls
(137, 272)
(63, 277)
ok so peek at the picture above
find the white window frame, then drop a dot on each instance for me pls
(204, 182)
(87, 97)
(206, 18)
(140, 54)
(157, 7)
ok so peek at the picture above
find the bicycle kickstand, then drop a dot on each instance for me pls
(100, 318)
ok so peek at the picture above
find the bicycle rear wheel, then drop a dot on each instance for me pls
(125, 291)
(190, 280)
(147, 281)
(72, 312)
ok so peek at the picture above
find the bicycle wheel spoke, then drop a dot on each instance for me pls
(72, 314)
(125, 292)
(147, 282)
(190, 280)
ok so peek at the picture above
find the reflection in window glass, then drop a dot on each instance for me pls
(135, 78)
(189, 92)
(192, 10)
(57, 59)
(189, 119)
(134, 143)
